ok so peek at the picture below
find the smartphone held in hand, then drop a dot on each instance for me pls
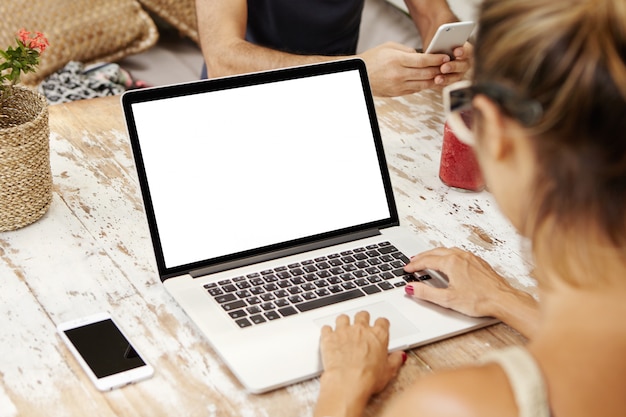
(450, 36)
(104, 352)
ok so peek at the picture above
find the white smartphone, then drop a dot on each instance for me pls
(104, 352)
(450, 36)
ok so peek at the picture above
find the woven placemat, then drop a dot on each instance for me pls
(25, 175)
(78, 30)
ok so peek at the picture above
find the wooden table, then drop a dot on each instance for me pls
(92, 252)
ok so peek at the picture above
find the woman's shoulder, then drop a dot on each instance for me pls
(481, 390)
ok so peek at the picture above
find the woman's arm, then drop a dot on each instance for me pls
(475, 289)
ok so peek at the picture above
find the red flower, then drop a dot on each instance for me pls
(39, 42)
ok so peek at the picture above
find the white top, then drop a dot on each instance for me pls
(526, 379)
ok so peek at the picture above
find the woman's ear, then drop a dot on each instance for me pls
(492, 131)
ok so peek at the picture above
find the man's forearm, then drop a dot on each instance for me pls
(242, 57)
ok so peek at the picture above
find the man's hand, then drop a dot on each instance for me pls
(397, 70)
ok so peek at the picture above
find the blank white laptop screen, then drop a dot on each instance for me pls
(242, 168)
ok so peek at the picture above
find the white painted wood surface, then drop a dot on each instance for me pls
(92, 252)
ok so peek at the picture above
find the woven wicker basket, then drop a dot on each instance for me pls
(25, 176)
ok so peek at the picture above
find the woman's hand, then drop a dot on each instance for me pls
(356, 364)
(474, 288)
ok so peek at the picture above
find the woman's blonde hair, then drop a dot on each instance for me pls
(570, 56)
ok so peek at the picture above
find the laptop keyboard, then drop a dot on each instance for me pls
(299, 287)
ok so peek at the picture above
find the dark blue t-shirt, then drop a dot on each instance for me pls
(305, 27)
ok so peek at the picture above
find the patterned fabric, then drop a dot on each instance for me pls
(77, 82)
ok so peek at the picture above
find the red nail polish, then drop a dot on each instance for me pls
(404, 357)
(408, 289)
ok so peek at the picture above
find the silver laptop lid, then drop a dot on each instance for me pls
(247, 168)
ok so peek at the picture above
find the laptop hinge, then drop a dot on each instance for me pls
(224, 266)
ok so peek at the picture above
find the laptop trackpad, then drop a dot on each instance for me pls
(400, 325)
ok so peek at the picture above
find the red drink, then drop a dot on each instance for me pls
(458, 167)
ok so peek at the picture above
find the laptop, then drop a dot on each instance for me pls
(271, 212)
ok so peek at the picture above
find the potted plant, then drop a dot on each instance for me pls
(25, 175)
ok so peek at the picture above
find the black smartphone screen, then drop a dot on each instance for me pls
(104, 348)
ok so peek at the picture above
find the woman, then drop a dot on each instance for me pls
(548, 101)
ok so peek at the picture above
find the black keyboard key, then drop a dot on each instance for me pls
(284, 284)
(253, 309)
(386, 286)
(309, 295)
(361, 282)
(224, 282)
(281, 294)
(268, 306)
(335, 289)
(400, 256)
(272, 315)
(348, 285)
(387, 249)
(295, 299)
(372, 289)
(225, 298)
(229, 288)
(256, 290)
(267, 296)
(243, 294)
(294, 290)
(347, 277)
(234, 305)
(387, 275)
(238, 314)
(243, 285)
(216, 291)
(323, 274)
(362, 264)
(348, 259)
(335, 262)
(297, 280)
(284, 275)
(399, 272)
(333, 299)
(322, 292)
(257, 319)
(243, 323)
(270, 278)
(257, 281)
(253, 300)
(281, 302)
(288, 311)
